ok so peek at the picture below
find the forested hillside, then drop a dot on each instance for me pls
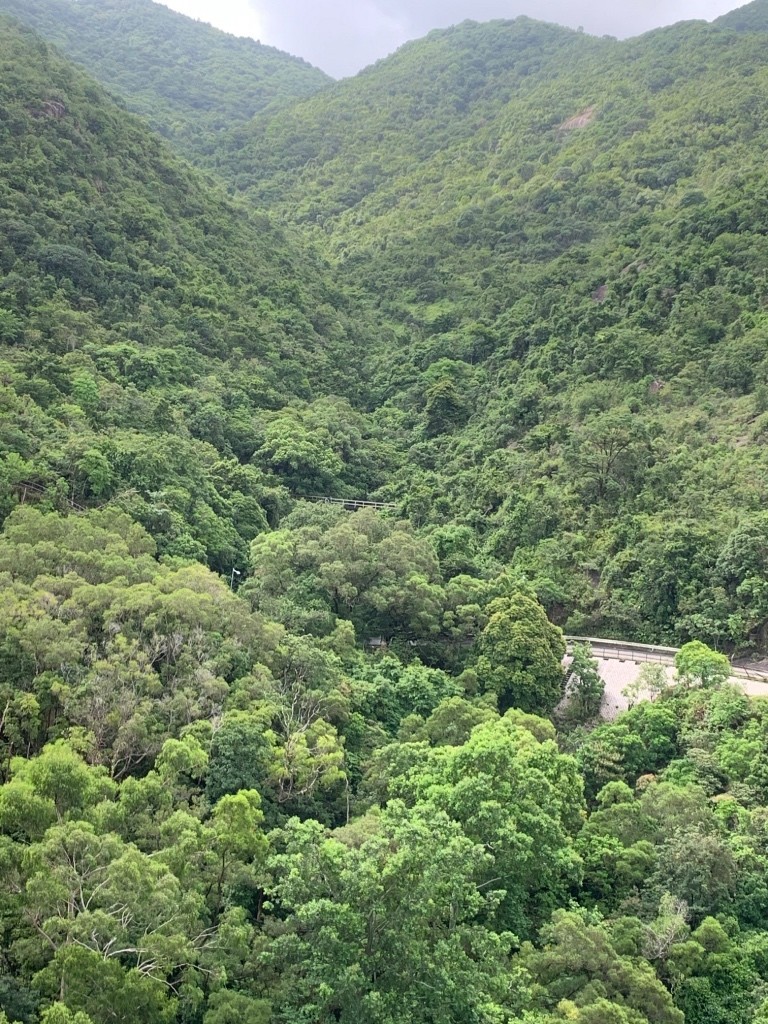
(751, 17)
(568, 236)
(265, 760)
(152, 330)
(190, 81)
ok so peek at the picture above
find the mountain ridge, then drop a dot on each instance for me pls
(186, 78)
(149, 322)
(752, 17)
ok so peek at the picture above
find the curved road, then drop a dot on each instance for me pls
(620, 663)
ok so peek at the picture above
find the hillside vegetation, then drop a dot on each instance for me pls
(190, 81)
(150, 327)
(568, 236)
(267, 761)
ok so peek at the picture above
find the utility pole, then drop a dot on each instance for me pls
(235, 572)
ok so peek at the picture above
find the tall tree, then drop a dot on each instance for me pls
(520, 655)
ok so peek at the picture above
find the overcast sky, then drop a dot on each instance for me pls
(342, 36)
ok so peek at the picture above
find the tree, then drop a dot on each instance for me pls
(10, 326)
(101, 990)
(240, 755)
(642, 740)
(617, 847)
(578, 963)
(367, 568)
(452, 721)
(229, 1007)
(304, 458)
(669, 928)
(59, 1014)
(609, 453)
(59, 775)
(235, 837)
(585, 687)
(698, 867)
(520, 655)
(306, 757)
(699, 665)
(651, 680)
(387, 931)
(446, 407)
(514, 793)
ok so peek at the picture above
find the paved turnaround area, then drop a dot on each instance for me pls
(617, 675)
(620, 664)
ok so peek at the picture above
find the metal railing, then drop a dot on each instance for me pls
(619, 650)
(352, 504)
(25, 487)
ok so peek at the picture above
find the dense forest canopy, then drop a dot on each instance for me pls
(568, 237)
(189, 80)
(155, 334)
(268, 761)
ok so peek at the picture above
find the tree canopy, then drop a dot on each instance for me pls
(274, 759)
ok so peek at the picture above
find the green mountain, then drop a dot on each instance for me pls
(751, 17)
(552, 249)
(187, 79)
(514, 281)
(568, 237)
(427, 102)
(150, 326)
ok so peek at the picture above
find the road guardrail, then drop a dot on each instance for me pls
(619, 650)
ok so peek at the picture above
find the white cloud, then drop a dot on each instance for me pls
(341, 36)
(236, 16)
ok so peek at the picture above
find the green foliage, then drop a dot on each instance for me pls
(697, 664)
(640, 742)
(566, 237)
(185, 77)
(152, 328)
(320, 790)
(373, 571)
(514, 794)
(579, 966)
(141, 649)
(748, 18)
(585, 687)
(521, 655)
(386, 929)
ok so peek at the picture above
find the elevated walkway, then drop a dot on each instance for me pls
(350, 504)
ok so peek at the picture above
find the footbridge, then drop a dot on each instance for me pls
(350, 504)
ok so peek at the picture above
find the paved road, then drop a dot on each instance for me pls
(617, 675)
(618, 668)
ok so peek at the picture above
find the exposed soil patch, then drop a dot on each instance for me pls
(50, 108)
(580, 121)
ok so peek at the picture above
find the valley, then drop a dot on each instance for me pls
(332, 414)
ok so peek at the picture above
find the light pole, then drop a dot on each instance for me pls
(235, 572)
